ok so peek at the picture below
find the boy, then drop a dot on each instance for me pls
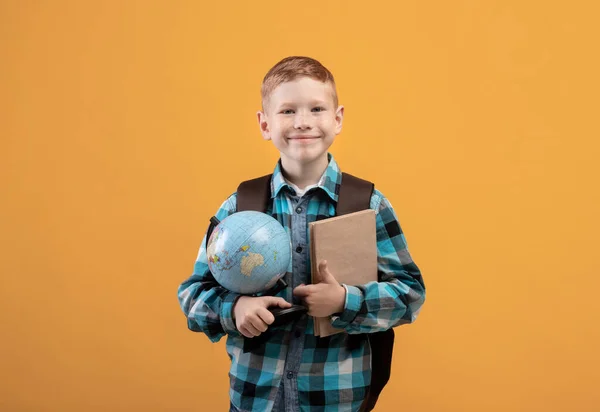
(295, 370)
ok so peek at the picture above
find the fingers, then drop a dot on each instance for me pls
(254, 317)
(253, 326)
(266, 316)
(303, 290)
(274, 301)
(258, 324)
(248, 332)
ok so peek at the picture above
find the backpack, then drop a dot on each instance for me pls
(354, 195)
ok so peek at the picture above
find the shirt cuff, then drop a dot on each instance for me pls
(353, 303)
(227, 314)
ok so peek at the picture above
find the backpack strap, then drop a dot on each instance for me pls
(354, 195)
(251, 195)
(254, 194)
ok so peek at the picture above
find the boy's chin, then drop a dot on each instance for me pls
(305, 157)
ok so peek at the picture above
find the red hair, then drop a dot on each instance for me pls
(293, 67)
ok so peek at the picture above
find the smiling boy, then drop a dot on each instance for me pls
(295, 370)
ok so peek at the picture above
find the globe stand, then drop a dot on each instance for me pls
(284, 315)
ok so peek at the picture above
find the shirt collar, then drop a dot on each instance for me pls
(329, 181)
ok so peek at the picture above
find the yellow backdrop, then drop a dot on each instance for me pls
(123, 126)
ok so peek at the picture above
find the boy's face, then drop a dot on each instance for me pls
(301, 120)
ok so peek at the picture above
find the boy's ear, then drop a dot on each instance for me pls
(339, 119)
(264, 125)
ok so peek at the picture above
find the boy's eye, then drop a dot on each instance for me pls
(315, 109)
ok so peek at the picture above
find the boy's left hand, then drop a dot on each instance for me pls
(324, 298)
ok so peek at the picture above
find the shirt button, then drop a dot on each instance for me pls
(298, 210)
(299, 249)
(290, 375)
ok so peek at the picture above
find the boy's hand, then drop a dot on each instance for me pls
(324, 298)
(252, 316)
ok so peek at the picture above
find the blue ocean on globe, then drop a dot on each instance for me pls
(248, 252)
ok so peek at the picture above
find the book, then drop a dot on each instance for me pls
(349, 244)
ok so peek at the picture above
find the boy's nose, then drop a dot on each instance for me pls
(301, 122)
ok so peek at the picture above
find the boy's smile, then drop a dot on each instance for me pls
(301, 119)
(303, 139)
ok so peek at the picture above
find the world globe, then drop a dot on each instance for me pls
(248, 252)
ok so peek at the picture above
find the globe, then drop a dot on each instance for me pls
(248, 252)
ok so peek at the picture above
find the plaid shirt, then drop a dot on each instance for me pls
(315, 374)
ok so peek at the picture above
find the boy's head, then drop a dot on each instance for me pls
(290, 69)
(300, 112)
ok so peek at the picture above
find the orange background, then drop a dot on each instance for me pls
(123, 126)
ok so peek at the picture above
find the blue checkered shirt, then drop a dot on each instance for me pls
(295, 368)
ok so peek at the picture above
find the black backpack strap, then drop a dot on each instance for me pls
(254, 194)
(251, 195)
(354, 195)
(382, 348)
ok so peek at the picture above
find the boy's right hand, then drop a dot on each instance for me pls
(252, 316)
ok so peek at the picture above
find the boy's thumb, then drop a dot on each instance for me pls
(282, 303)
(325, 274)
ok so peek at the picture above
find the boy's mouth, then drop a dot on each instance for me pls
(303, 137)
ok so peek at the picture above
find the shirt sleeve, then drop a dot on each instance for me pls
(398, 296)
(206, 304)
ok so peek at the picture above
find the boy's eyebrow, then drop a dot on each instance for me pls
(313, 102)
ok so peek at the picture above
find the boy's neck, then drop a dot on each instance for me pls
(304, 174)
